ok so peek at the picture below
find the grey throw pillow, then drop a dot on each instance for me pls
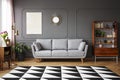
(82, 46)
(37, 46)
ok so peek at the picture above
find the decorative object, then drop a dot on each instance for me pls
(105, 41)
(100, 45)
(97, 33)
(112, 46)
(3, 43)
(8, 42)
(61, 73)
(33, 23)
(113, 34)
(56, 19)
(100, 33)
(3, 36)
(97, 25)
(102, 25)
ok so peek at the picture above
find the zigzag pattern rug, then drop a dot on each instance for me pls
(61, 73)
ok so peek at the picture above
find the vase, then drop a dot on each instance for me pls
(3, 42)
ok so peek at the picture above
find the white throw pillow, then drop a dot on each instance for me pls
(37, 46)
(82, 46)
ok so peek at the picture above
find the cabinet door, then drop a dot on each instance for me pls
(106, 51)
(2, 53)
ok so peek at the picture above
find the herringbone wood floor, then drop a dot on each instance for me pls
(110, 63)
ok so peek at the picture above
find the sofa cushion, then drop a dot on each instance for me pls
(82, 46)
(37, 46)
(59, 44)
(43, 53)
(59, 53)
(45, 43)
(73, 44)
(75, 53)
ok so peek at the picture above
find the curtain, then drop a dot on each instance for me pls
(8, 22)
(7, 16)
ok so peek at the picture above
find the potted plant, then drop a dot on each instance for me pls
(103, 34)
(98, 33)
(20, 49)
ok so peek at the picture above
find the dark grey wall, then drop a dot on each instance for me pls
(77, 17)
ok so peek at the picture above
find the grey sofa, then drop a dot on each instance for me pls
(59, 48)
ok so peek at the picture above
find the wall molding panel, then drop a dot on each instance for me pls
(48, 28)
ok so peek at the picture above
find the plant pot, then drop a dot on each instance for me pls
(20, 56)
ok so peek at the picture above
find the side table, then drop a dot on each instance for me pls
(5, 55)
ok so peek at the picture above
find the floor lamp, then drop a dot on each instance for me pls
(14, 34)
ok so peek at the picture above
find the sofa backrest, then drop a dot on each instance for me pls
(59, 44)
(73, 44)
(45, 43)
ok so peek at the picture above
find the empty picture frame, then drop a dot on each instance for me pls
(33, 22)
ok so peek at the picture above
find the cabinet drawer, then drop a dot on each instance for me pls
(106, 52)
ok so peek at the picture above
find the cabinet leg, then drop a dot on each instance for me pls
(9, 62)
(95, 58)
(2, 65)
(117, 59)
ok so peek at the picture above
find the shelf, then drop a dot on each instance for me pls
(97, 48)
(105, 47)
(105, 28)
(105, 43)
(106, 37)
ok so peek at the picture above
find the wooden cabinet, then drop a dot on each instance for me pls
(106, 52)
(105, 39)
(5, 55)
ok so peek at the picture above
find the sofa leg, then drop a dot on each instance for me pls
(40, 60)
(82, 60)
(37, 60)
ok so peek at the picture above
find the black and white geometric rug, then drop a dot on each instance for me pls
(61, 73)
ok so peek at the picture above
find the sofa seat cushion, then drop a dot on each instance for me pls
(43, 53)
(59, 44)
(46, 44)
(73, 44)
(75, 53)
(59, 53)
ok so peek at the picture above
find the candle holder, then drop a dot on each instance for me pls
(8, 41)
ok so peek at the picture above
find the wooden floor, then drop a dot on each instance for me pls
(111, 64)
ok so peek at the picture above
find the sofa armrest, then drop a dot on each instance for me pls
(85, 50)
(33, 50)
